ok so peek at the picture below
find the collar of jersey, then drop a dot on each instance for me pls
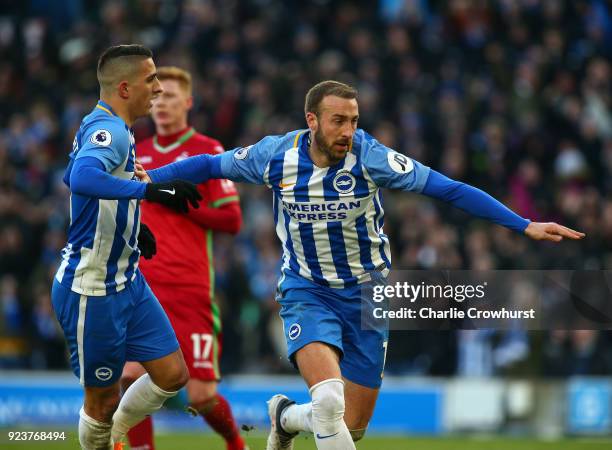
(106, 108)
(176, 144)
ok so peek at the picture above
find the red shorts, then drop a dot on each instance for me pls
(197, 324)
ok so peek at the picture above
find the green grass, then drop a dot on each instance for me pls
(257, 442)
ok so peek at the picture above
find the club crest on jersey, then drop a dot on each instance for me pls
(344, 182)
(101, 137)
(294, 331)
(242, 153)
(103, 373)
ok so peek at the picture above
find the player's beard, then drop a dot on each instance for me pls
(327, 147)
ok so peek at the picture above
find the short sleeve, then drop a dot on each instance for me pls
(107, 141)
(391, 169)
(249, 163)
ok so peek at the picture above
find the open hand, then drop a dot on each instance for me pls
(551, 231)
(141, 173)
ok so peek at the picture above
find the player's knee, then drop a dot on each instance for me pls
(131, 372)
(203, 405)
(172, 377)
(357, 421)
(177, 383)
(177, 379)
(202, 395)
(358, 434)
(328, 400)
(127, 379)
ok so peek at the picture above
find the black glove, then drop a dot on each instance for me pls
(146, 242)
(177, 194)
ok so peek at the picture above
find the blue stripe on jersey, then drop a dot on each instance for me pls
(117, 247)
(293, 264)
(133, 259)
(129, 165)
(361, 186)
(275, 175)
(85, 228)
(365, 243)
(300, 191)
(334, 229)
(379, 220)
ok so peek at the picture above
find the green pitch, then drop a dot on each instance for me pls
(180, 441)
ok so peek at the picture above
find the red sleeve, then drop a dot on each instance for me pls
(227, 217)
(222, 212)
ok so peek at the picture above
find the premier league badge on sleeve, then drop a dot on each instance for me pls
(242, 153)
(101, 137)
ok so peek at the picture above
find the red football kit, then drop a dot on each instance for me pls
(181, 274)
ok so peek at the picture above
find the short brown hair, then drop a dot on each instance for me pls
(321, 90)
(116, 63)
(176, 73)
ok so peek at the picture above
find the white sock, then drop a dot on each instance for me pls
(297, 418)
(93, 434)
(141, 399)
(328, 425)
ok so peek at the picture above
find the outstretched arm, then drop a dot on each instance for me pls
(88, 177)
(481, 204)
(244, 164)
(196, 169)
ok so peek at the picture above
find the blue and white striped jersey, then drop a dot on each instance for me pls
(102, 252)
(329, 220)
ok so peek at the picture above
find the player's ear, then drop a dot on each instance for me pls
(189, 102)
(311, 120)
(123, 90)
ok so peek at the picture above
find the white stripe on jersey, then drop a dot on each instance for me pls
(68, 250)
(80, 342)
(374, 233)
(289, 180)
(124, 260)
(61, 269)
(381, 232)
(90, 273)
(282, 234)
(266, 175)
(374, 236)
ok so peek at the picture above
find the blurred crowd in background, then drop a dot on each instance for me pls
(512, 96)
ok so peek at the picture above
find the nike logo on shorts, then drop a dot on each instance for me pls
(169, 191)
